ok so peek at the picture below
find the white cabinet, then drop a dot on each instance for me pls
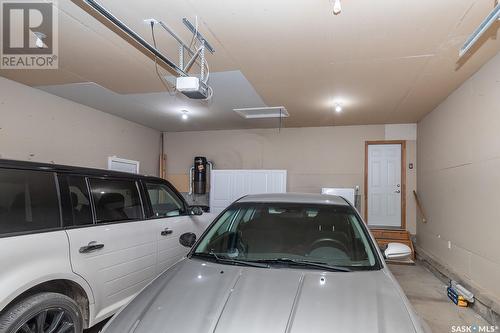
(228, 185)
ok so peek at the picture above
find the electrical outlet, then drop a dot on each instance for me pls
(449, 244)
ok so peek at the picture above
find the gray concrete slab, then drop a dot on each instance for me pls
(428, 296)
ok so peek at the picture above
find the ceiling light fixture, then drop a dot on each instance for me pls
(184, 115)
(263, 112)
(338, 107)
(337, 7)
(493, 17)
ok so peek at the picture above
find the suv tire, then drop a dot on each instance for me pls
(43, 312)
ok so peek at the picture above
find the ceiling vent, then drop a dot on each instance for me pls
(263, 112)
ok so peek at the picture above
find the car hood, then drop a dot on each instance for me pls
(198, 296)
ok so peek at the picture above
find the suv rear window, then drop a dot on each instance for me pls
(28, 201)
(80, 202)
(116, 200)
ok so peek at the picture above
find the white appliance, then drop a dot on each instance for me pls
(347, 193)
(192, 87)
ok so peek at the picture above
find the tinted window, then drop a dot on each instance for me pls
(28, 201)
(80, 202)
(321, 233)
(115, 200)
(164, 201)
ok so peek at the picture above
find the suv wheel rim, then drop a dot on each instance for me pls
(54, 320)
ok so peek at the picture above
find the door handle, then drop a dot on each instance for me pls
(397, 191)
(91, 247)
(166, 232)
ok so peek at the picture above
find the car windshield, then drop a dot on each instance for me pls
(290, 233)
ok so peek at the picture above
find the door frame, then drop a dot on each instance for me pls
(403, 177)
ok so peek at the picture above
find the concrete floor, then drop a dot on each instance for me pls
(427, 295)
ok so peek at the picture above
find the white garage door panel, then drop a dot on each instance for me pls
(258, 183)
(229, 185)
(221, 186)
(239, 186)
(278, 180)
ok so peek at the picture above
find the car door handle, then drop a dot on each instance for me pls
(166, 232)
(91, 247)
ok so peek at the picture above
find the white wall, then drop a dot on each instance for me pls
(314, 157)
(459, 181)
(38, 126)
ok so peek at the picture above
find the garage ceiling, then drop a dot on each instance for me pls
(388, 61)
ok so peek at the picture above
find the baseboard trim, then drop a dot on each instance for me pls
(483, 305)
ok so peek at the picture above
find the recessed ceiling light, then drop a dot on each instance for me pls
(337, 7)
(338, 107)
(184, 115)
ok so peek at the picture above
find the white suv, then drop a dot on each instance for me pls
(76, 244)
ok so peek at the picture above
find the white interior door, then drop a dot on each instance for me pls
(384, 185)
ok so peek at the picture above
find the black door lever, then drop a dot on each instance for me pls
(91, 247)
(166, 232)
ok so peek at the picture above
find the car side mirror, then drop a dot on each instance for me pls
(195, 210)
(397, 251)
(187, 239)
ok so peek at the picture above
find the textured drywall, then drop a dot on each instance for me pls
(314, 157)
(38, 126)
(459, 181)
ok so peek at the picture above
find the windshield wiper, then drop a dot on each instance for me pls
(305, 263)
(225, 260)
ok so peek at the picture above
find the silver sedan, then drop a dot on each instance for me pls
(277, 263)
